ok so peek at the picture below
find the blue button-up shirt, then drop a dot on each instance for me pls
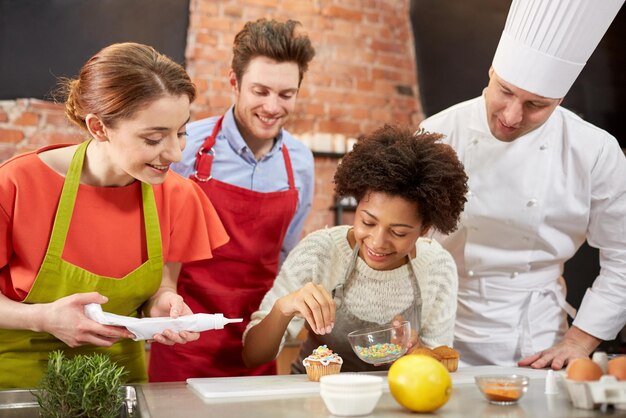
(234, 163)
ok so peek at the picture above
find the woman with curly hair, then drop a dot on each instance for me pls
(381, 267)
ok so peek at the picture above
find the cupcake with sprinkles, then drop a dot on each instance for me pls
(322, 362)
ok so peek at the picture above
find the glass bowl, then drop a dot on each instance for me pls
(381, 344)
(502, 389)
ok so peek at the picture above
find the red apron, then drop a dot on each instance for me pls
(235, 280)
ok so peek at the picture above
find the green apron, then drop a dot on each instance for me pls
(24, 354)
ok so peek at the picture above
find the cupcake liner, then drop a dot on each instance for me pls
(452, 364)
(316, 370)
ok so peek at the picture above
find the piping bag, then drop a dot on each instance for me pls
(145, 328)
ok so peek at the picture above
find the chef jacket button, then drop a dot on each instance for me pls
(470, 273)
(543, 147)
(526, 238)
(531, 203)
(514, 274)
(474, 141)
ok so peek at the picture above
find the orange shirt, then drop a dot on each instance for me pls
(106, 235)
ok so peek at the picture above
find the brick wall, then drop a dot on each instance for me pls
(363, 75)
(28, 124)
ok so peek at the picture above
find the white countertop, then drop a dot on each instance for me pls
(167, 400)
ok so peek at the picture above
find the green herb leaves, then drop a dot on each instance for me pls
(87, 386)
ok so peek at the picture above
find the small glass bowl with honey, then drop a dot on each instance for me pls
(502, 389)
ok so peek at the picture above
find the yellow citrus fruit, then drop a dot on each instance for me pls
(419, 383)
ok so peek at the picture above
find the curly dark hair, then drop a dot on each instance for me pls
(413, 165)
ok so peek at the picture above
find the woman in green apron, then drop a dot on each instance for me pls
(101, 222)
(380, 268)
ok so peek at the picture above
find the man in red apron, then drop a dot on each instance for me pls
(260, 180)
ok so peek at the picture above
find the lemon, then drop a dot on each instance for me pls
(419, 383)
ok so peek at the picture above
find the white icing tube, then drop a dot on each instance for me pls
(146, 328)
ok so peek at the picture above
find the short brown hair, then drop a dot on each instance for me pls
(280, 41)
(120, 80)
(415, 166)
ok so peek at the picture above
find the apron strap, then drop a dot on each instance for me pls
(66, 202)
(292, 183)
(204, 158)
(151, 224)
(337, 292)
(418, 298)
(206, 153)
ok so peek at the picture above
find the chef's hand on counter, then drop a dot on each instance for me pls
(575, 344)
(167, 302)
(65, 319)
(314, 304)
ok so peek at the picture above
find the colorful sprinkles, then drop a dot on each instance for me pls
(379, 351)
(323, 355)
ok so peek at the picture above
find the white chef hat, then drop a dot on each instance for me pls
(546, 43)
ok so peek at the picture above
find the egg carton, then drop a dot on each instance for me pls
(590, 395)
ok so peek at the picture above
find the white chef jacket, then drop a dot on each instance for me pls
(531, 204)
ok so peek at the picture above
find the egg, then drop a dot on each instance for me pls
(584, 370)
(617, 367)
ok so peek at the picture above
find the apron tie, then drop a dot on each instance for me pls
(526, 336)
(526, 343)
(482, 287)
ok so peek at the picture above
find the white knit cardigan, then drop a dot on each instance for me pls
(374, 295)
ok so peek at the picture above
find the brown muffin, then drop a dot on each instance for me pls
(425, 351)
(449, 357)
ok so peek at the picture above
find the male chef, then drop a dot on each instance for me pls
(542, 180)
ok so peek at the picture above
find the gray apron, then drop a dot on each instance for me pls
(346, 322)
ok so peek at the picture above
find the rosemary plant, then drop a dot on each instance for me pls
(88, 386)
